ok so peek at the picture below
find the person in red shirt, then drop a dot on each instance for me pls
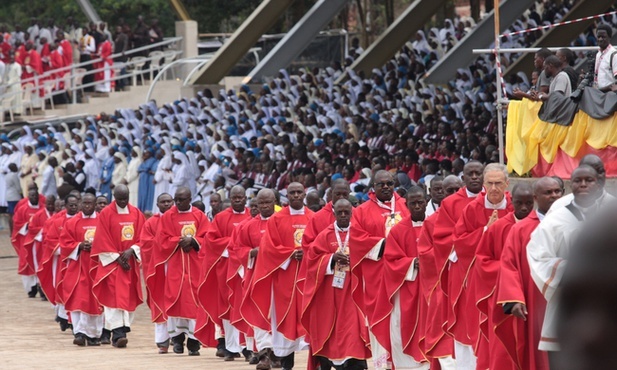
(75, 245)
(486, 270)
(176, 261)
(399, 319)
(214, 269)
(24, 211)
(519, 312)
(337, 330)
(65, 48)
(475, 219)
(56, 63)
(243, 254)
(276, 288)
(117, 278)
(148, 242)
(104, 62)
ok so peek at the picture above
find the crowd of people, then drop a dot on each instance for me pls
(45, 52)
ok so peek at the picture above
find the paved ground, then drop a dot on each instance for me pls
(30, 339)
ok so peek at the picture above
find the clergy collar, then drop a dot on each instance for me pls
(341, 229)
(470, 194)
(70, 216)
(93, 215)
(293, 211)
(33, 206)
(417, 223)
(540, 215)
(584, 211)
(122, 211)
(238, 213)
(264, 218)
(187, 211)
(500, 205)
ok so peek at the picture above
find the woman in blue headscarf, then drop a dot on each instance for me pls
(146, 170)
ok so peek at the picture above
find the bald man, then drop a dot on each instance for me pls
(276, 289)
(486, 269)
(176, 263)
(438, 346)
(213, 291)
(521, 304)
(117, 277)
(549, 246)
(376, 217)
(148, 236)
(75, 244)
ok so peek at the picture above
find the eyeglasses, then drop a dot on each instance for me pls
(382, 184)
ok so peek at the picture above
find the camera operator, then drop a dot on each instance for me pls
(606, 63)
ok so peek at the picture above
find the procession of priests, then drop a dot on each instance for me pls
(475, 285)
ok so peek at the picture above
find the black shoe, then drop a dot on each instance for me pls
(33, 291)
(247, 354)
(178, 342)
(64, 323)
(94, 342)
(194, 353)
(220, 347)
(105, 337)
(80, 340)
(41, 293)
(121, 342)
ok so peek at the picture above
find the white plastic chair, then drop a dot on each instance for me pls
(7, 106)
(138, 65)
(79, 79)
(26, 100)
(155, 62)
(170, 56)
(48, 87)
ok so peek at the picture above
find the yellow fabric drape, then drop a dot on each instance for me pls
(526, 135)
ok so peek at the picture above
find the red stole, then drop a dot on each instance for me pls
(339, 330)
(514, 284)
(467, 234)
(114, 287)
(50, 277)
(399, 255)
(148, 243)
(283, 236)
(213, 293)
(182, 277)
(77, 283)
(484, 278)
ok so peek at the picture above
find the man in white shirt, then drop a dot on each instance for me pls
(49, 178)
(548, 249)
(606, 63)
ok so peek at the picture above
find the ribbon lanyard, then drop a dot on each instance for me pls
(391, 208)
(341, 246)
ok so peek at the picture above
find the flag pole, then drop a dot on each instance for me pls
(499, 86)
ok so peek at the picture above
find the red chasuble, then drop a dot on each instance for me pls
(237, 270)
(371, 218)
(334, 324)
(115, 233)
(485, 272)
(399, 255)
(246, 315)
(321, 221)
(34, 240)
(180, 269)
(56, 62)
(273, 283)
(104, 52)
(67, 53)
(213, 293)
(468, 231)
(51, 266)
(22, 216)
(148, 242)
(77, 283)
(520, 338)
(45, 54)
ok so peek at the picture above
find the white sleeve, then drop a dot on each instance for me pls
(225, 253)
(412, 274)
(137, 251)
(74, 254)
(285, 265)
(241, 272)
(251, 262)
(546, 268)
(373, 254)
(107, 258)
(329, 269)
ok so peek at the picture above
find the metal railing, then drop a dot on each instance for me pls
(168, 54)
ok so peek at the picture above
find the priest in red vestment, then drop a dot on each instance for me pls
(376, 217)
(400, 316)
(148, 241)
(485, 272)
(335, 325)
(75, 245)
(176, 256)
(116, 252)
(51, 268)
(520, 308)
(276, 289)
(243, 255)
(65, 48)
(104, 62)
(32, 66)
(24, 211)
(475, 219)
(436, 345)
(213, 292)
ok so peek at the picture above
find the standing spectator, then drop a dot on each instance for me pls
(87, 47)
(606, 63)
(49, 186)
(155, 33)
(104, 30)
(121, 45)
(65, 49)
(13, 191)
(17, 35)
(33, 30)
(141, 35)
(103, 77)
